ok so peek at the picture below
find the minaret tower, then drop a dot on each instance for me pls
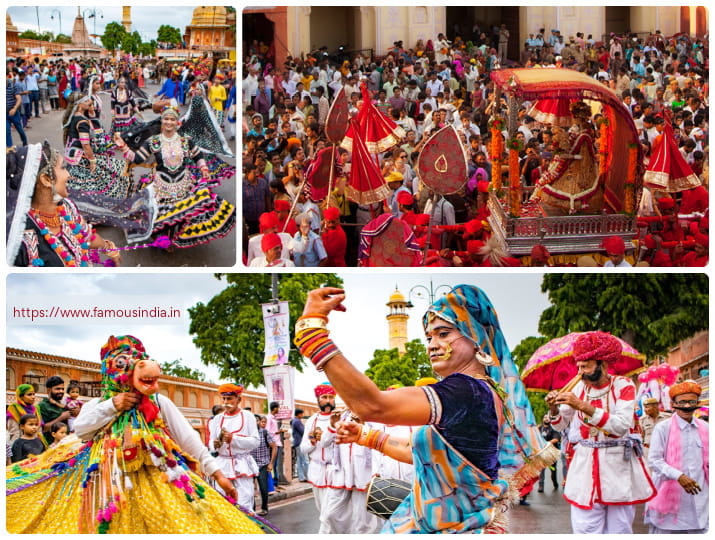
(397, 321)
(127, 18)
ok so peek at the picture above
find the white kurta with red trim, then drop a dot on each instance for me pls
(604, 475)
(322, 453)
(235, 457)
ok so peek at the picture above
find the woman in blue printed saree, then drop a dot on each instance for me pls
(478, 440)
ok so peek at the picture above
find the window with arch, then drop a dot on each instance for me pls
(10, 379)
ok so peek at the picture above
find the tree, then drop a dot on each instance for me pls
(113, 35)
(652, 312)
(521, 354)
(168, 34)
(229, 328)
(31, 34)
(62, 38)
(387, 367)
(148, 49)
(177, 369)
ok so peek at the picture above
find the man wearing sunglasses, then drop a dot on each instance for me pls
(680, 467)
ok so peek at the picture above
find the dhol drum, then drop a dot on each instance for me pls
(384, 495)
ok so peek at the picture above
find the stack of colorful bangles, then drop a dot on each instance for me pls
(311, 338)
(372, 438)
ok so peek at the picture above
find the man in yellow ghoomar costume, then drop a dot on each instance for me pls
(131, 468)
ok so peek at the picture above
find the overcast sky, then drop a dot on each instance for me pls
(358, 332)
(145, 20)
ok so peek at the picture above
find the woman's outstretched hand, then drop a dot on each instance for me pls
(323, 301)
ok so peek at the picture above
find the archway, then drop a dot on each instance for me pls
(618, 20)
(257, 27)
(333, 27)
(464, 20)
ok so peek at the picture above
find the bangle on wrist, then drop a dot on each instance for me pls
(305, 323)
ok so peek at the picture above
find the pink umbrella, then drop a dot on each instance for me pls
(552, 365)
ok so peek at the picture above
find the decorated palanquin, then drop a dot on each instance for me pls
(592, 187)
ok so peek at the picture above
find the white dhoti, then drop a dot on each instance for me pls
(363, 522)
(244, 491)
(336, 512)
(603, 519)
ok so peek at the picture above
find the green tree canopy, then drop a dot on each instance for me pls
(521, 354)
(62, 38)
(177, 369)
(168, 34)
(113, 35)
(229, 328)
(31, 34)
(652, 312)
(387, 367)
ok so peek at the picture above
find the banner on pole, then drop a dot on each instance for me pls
(276, 324)
(280, 381)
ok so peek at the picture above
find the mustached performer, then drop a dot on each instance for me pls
(607, 477)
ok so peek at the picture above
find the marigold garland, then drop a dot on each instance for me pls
(630, 184)
(603, 148)
(496, 149)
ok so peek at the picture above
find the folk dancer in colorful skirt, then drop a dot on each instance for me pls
(124, 108)
(607, 477)
(99, 183)
(233, 434)
(680, 463)
(190, 213)
(464, 462)
(132, 468)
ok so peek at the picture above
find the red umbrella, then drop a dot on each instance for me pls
(667, 169)
(552, 365)
(553, 111)
(378, 132)
(365, 183)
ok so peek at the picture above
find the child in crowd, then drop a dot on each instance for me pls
(58, 432)
(73, 404)
(29, 444)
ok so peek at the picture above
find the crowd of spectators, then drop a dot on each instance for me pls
(438, 82)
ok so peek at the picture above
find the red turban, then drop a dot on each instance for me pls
(472, 226)
(685, 387)
(422, 219)
(269, 241)
(268, 220)
(230, 388)
(661, 260)
(649, 241)
(405, 198)
(614, 245)
(540, 251)
(666, 203)
(702, 239)
(281, 205)
(473, 246)
(695, 200)
(483, 186)
(331, 213)
(324, 389)
(597, 346)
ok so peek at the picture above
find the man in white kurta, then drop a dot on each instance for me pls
(233, 434)
(680, 466)
(319, 445)
(607, 476)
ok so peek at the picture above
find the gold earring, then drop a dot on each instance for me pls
(483, 358)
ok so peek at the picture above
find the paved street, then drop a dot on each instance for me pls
(220, 253)
(549, 513)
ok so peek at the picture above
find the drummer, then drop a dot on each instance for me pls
(607, 477)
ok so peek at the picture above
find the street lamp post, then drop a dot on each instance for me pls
(59, 15)
(431, 292)
(93, 15)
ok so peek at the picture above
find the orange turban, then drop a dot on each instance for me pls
(230, 388)
(685, 387)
